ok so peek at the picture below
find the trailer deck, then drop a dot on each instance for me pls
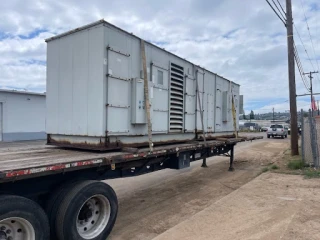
(36, 181)
(24, 162)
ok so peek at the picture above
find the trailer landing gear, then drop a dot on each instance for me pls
(231, 168)
(204, 162)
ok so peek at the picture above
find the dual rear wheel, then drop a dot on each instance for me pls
(85, 210)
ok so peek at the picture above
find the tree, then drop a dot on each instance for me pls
(251, 115)
(244, 116)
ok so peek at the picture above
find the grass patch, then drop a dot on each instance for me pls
(296, 164)
(309, 173)
(265, 170)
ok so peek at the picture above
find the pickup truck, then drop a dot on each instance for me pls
(277, 130)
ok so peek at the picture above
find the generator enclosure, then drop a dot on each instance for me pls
(95, 92)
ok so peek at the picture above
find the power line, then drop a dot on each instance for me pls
(300, 68)
(314, 52)
(279, 10)
(305, 49)
(282, 20)
(282, 8)
(296, 55)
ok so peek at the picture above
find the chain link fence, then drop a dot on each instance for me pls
(310, 137)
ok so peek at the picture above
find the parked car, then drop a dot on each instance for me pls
(299, 130)
(264, 129)
(277, 130)
(251, 126)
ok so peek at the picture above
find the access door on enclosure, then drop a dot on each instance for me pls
(118, 83)
(190, 104)
(159, 98)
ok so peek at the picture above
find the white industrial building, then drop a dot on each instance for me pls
(22, 115)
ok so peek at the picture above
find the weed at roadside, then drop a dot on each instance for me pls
(310, 173)
(296, 164)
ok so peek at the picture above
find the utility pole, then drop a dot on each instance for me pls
(310, 76)
(292, 81)
(273, 114)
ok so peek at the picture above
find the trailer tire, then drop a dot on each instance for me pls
(53, 203)
(19, 215)
(88, 211)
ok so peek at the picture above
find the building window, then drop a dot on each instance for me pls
(160, 77)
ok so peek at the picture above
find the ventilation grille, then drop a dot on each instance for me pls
(176, 98)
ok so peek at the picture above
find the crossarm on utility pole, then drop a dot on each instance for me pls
(311, 90)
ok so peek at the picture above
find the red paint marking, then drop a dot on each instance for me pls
(52, 168)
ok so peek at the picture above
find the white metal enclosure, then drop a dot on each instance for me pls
(95, 95)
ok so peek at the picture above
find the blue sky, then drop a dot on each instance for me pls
(243, 41)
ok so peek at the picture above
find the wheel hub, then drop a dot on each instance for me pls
(93, 217)
(16, 228)
(85, 213)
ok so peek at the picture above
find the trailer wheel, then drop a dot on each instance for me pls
(22, 219)
(88, 211)
(53, 203)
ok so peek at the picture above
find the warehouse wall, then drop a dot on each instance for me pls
(23, 116)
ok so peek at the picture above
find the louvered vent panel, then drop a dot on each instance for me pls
(176, 98)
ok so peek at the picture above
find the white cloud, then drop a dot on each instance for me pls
(240, 40)
(283, 107)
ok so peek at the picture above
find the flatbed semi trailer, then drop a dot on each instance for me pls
(54, 193)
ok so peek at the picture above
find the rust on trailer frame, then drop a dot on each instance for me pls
(52, 168)
(84, 145)
(107, 146)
